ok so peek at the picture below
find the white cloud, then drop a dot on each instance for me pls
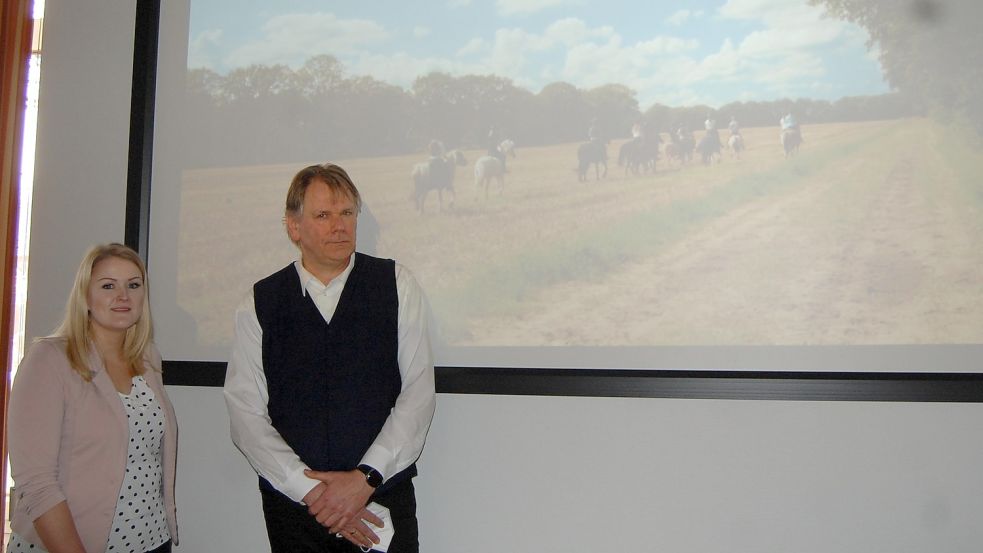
(589, 57)
(571, 31)
(523, 7)
(402, 69)
(772, 12)
(682, 16)
(202, 49)
(666, 45)
(293, 38)
(473, 47)
(783, 57)
(786, 24)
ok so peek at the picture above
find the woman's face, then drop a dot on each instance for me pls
(115, 295)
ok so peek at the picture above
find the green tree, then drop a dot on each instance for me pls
(320, 75)
(658, 118)
(928, 49)
(376, 118)
(259, 81)
(616, 108)
(563, 114)
(443, 108)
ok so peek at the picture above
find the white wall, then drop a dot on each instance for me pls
(527, 473)
(83, 134)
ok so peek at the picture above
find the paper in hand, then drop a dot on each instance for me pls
(385, 533)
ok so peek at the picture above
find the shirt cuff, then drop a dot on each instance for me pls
(297, 486)
(381, 460)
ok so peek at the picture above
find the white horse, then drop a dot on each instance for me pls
(486, 169)
(491, 166)
(502, 151)
(436, 174)
(736, 144)
(507, 147)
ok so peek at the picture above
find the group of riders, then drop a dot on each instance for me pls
(711, 143)
(644, 144)
(439, 163)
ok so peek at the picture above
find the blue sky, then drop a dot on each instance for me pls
(674, 53)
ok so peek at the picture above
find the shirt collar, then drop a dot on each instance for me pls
(310, 283)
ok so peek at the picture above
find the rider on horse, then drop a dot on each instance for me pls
(790, 124)
(713, 136)
(493, 140)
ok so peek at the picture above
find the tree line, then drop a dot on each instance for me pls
(276, 114)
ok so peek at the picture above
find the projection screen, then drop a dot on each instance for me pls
(727, 185)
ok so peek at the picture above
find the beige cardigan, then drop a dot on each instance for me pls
(68, 440)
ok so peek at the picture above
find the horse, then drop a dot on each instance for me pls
(791, 138)
(507, 147)
(672, 151)
(486, 169)
(709, 147)
(641, 152)
(437, 173)
(736, 144)
(680, 146)
(595, 152)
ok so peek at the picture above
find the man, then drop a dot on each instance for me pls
(710, 124)
(594, 131)
(788, 122)
(494, 143)
(790, 125)
(712, 137)
(330, 385)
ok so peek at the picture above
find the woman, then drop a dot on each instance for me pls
(92, 435)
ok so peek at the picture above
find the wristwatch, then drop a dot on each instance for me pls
(372, 476)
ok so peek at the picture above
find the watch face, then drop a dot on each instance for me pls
(372, 476)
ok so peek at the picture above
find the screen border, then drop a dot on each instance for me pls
(641, 383)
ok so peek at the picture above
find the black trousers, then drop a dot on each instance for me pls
(164, 548)
(291, 529)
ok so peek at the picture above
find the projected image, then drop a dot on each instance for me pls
(732, 173)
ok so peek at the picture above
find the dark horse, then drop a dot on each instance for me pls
(639, 153)
(680, 146)
(595, 152)
(791, 138)
(709, 147)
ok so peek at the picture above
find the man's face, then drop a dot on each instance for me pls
(324, 231)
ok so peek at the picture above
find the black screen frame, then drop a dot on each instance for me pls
(682, 384)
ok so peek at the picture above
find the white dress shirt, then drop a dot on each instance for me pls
(401, 439)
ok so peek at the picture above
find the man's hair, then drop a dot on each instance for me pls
(330, 174)
(74, 327)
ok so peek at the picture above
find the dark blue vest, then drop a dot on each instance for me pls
(331, 386)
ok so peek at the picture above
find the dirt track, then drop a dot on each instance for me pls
(842, 260)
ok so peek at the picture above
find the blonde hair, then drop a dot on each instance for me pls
(75, 326)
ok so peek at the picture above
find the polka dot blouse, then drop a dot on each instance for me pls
(139, 524)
